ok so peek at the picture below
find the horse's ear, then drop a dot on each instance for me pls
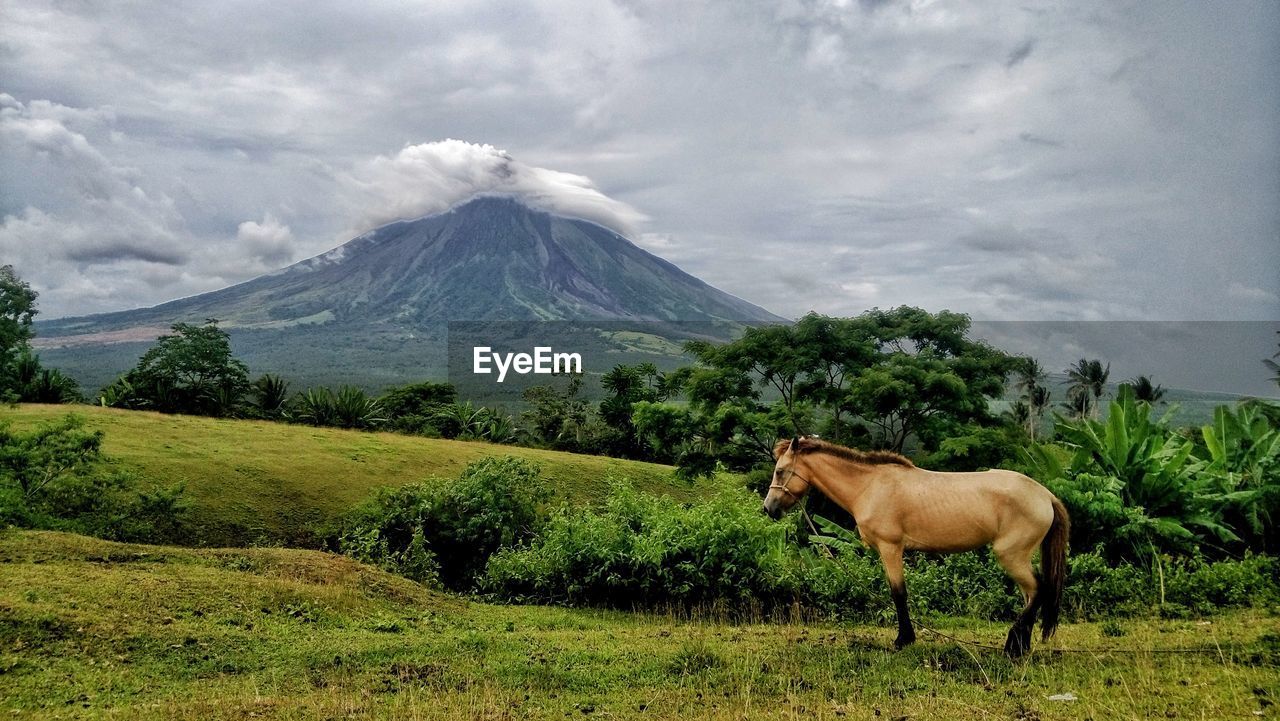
(795, 443)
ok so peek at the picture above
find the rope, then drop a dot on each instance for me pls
(978, 644)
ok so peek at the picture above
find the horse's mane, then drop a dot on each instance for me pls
(815, 445)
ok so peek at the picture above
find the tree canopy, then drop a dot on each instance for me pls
(883, 379)
(189, 371)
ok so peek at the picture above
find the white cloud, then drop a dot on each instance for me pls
(432, 177)
(1249, 293)
(845, 142)
(270, 241)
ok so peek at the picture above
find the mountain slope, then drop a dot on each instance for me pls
(374, 310)
(492, 258)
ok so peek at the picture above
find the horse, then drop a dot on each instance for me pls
(898, 506)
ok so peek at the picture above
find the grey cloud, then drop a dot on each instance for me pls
(1037, 140)
(99, 253)
(855, 144)
(1020, 53)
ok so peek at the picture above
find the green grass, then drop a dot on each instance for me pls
(262, 482)
(92, 629)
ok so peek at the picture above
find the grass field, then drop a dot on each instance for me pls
(261, 482)
(92, 629)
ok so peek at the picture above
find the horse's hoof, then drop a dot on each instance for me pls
(1017, 644)
(903, 641)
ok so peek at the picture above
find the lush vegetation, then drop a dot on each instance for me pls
(1137, 487)
(640, 552)
(51, 477)
(252, 482)
(22, 378)
(448, 529)
(1171, 523)
(91, 629)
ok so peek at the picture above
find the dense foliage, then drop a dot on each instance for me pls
(643, 552)
(191, 370)
(447, 528)
(1137, 487)
(22, 378)
(54, 477)
(883, 379)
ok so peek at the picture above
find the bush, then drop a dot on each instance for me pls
(642, 551)
(55, 478)
(1096, 589)
(447, 529)
(1207, 587)
(350, 407)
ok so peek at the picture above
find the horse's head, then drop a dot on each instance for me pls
(788, 486)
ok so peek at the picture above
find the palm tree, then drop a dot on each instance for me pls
(271, 393)
(1088, 378)
(1146, 391)
(1038, 400)
(1030, 380)
(1030, 374)
(1078, 403)
(1273, 366)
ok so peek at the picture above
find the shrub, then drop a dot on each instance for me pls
(1096, 589)
(54, 477)
(1207, 587)
(447, 529)
(643, 551)
(350, 407)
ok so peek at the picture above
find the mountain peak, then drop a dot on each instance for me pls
(491, 257)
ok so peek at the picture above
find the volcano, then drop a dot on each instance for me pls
(378, 303)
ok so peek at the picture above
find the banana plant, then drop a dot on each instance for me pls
(1242, 452)
(1136, 486)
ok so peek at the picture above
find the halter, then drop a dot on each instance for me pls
(783, 486)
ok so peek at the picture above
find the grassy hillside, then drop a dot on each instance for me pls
(255, 481)
(91, 629)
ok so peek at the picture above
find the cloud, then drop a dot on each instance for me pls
(434, 176)
(1020, 53)
(846, 143)
(270, 242)
(1249, 293)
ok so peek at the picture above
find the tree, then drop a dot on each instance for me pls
(416, 407)
(271, 395)
(558, 417)
(925, 377)
(34, 384)
(1087, 378)
(626, 386)
(191, 371)
(882, 379)
(1272, 366)
(17, 309)
(1078, 404)
(1030, 380)
(1145, 390)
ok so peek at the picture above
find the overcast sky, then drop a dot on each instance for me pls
(1083, 160)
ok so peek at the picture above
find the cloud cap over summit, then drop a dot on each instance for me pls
(431, 177)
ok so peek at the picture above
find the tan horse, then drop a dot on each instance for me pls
(898, 506)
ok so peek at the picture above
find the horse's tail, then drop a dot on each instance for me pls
(1053, 568)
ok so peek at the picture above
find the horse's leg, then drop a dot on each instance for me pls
(891, 557)
(1017, 563)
